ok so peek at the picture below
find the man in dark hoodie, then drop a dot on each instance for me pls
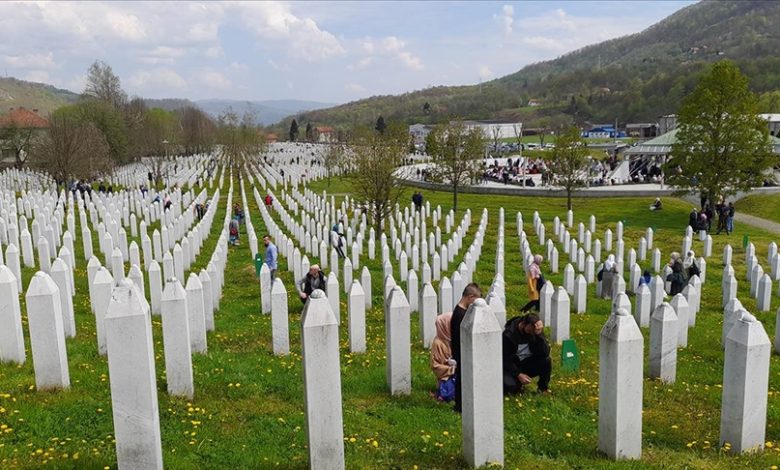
(526, 354)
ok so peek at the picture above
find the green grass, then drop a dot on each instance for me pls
(248, 406)
(766, 206)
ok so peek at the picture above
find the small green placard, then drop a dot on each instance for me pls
(570, 356)
(258, 264)
(745, 241)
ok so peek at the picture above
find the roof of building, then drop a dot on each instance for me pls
(323, 129)
(662, 145)
(24, 118)
(771, 117)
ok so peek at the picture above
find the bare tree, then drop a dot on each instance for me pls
(456, 153)
(332, 159)
(495, 132)
(17, 139)
(375, 159)
(240, 139)
(104, 85)
(197, 131)
(71, 148)
(568, 162)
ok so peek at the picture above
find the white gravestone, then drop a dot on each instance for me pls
(482, 383)
(662, 361)
(131, 372)
(47, 336)
(279, 319)
(559, 320)
(745, 386)
(398, 347)
(11, 335)
(322, 384)
(176, 340)
(357, 318)
(621, 353)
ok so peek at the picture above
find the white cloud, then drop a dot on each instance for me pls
(162, 77)
(302, 37)
(390, 46)
(40, 76)
(238, 66)
(33, 60)
(506, 18)
(485, 73)
(213, 79)
(355, 88)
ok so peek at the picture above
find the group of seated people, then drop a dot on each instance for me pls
(526, 352)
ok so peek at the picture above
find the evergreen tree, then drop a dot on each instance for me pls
(380, 125)
(293, 131)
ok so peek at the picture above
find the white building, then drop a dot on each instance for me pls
(505, 129)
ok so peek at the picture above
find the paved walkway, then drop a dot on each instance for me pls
(767, 225)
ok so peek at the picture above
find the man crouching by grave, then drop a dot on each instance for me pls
(526, 354)
(313, 280)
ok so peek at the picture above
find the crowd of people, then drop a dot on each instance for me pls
(702, 219)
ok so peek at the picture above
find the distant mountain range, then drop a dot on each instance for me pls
(265, 112)
(634, 78)
(46, 98)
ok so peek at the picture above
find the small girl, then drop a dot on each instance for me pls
(442, 363)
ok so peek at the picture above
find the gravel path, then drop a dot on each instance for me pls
(767, 225)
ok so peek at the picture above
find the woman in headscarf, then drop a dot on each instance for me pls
(442, 363)
(689, 266)
(535, 282)
(608, 277)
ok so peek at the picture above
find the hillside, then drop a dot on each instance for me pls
(632, 78)
(46, 98)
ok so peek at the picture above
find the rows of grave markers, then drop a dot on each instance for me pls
(119, 302)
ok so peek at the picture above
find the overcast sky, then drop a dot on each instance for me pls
(323, 51)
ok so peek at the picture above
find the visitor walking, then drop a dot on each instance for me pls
(271, 255)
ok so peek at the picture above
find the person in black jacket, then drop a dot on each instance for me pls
(471, 293)
(526, 354)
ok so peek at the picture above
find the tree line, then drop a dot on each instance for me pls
(105, 129)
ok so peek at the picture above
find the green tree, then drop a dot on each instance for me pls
(456, 153)
(769, 102)
(110, 122)
(380, 125)
(293, 130)
(722, 144)
(374, 159)
(568, 162)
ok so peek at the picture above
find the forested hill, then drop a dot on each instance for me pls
(632, 78)
(45, 98)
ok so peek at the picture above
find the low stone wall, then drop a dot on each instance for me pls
(511, 190)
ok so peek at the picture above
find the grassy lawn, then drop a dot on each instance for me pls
(248, 406)
(766, 206)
